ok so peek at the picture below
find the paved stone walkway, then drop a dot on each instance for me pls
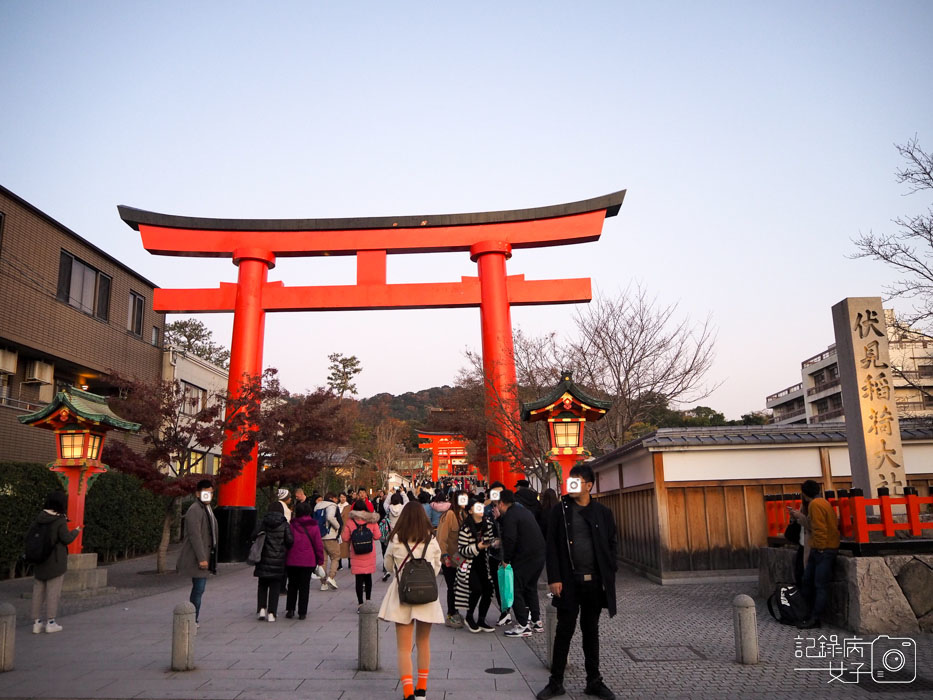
(667, 642)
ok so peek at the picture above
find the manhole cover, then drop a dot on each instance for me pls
(664, 653)
(499, 671)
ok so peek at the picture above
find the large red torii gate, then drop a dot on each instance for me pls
(254, 245)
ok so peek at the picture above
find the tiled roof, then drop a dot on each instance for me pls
(89, 406)
(753, 436)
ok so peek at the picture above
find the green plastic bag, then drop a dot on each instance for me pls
(506, 586)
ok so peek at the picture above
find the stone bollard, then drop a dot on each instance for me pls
(184, 630)
(745, 622)
(550, 631)
(368, 649)
(7, 636)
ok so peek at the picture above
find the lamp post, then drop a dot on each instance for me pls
(566, 408)
(80, 421)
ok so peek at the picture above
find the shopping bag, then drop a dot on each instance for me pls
(506, 586)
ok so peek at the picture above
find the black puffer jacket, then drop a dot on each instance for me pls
(279, 539)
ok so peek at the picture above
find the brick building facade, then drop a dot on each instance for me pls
(70, 315)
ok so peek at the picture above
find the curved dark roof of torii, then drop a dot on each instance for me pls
(135, 217)
(566, 385)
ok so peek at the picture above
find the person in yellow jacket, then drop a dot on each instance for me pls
(822, 528)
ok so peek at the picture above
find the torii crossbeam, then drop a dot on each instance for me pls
(254, 245)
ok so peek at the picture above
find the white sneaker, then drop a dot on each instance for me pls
(38, 627)
(324, 586)
(332, 583)
(505, 618)
(537, 626)
(270, 618)
(519, 631)
(262, 614)
(51, 627)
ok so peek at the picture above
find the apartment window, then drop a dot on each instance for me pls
(134, 315)
(925, 371)
(83, 287)
(194, 398)
(4, 386)
(155, 336)
(1, 231)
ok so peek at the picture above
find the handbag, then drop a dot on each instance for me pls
(506, 586)
(255, 549)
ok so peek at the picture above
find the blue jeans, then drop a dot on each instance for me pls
(816, 578)
(197, 590)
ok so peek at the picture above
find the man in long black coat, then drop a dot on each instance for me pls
(581, 567)
(523, 548)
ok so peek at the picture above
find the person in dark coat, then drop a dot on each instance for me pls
(523, 549)
(581, 573)
(271, 566)
(198, 556)
(307, 552)
(528, 497)
(50, 573)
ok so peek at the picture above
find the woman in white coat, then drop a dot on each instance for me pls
(413, 528)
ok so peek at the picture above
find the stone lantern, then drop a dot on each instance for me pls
(566, 408)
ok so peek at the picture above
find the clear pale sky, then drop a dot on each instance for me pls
(755, 141)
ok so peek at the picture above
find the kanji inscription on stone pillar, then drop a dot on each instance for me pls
(875, 451)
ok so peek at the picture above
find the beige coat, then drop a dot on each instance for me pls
(391, 609)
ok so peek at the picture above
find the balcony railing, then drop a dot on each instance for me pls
(786, 392)
(21, 405)
(778, 418)
(823, 387)
(828, 415)
(825, 355)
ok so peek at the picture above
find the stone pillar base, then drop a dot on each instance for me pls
(83, 577)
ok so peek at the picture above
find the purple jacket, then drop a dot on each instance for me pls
(305, 551)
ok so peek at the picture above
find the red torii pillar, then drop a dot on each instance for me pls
(489, 237)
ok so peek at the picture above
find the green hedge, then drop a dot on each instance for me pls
(121, 518)
(23, 488)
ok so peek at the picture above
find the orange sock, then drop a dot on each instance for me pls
(407, 686)
(422, 679)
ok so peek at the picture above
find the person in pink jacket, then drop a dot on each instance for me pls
(362, 547)
(306, 553)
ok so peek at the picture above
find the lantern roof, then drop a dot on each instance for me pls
(591, 407)
(84, 406)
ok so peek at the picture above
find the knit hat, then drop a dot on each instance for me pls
(283, 494)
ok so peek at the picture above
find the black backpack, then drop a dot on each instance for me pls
(39, 543)
(787, 604)
(362, 539)
(417, 583)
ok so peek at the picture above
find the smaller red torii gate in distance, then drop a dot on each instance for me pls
(445, 447)
(255, 244)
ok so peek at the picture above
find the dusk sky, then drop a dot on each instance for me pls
(755, 140)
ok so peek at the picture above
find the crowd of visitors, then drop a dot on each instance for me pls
(491, 544)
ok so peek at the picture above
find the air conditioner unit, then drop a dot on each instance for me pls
(7, 361)
(39, 372)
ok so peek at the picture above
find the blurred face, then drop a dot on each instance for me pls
(361, 494)
(205, 495)
(343, 498)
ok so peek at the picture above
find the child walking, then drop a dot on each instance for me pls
(413, 529)
(362, 552)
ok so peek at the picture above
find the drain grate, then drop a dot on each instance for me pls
(499, 671)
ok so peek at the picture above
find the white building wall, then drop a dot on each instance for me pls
(774, 462)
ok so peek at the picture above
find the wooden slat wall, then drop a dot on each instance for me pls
(637, 525)
(712, 525)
